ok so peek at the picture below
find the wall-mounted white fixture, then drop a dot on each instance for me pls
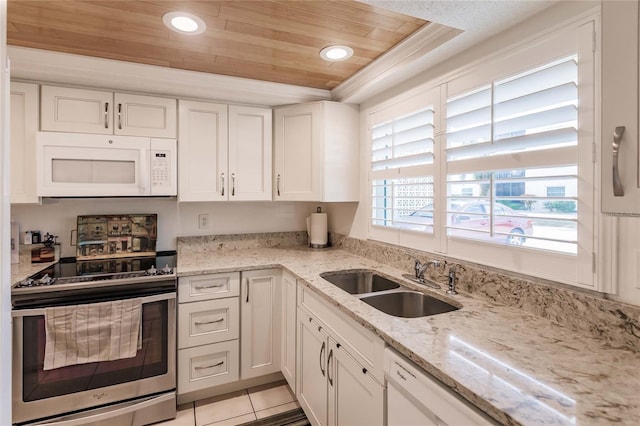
(336, 53)
(184, 23)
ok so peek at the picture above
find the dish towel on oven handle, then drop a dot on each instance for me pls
(92, 332)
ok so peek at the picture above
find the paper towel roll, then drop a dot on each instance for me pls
(318, 230)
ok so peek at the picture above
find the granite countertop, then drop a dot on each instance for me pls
(517, 367)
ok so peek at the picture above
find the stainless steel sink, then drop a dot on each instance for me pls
(408, 304)
(359, 281)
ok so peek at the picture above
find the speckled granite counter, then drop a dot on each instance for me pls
(516, 366)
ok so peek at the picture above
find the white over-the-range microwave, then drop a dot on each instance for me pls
(88, 165)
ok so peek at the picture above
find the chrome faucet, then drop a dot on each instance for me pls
(452, 280)
(421, 268)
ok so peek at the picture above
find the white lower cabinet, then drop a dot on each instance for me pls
(415, 398)
(260, 317)
(206, 366)
(332, 387)
(208, 331)
(355, 397)
(312, 369)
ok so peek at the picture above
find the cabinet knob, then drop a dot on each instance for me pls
(338, 345)
(364, 371)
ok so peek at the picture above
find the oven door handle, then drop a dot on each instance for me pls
(40, 311)
(105, 415)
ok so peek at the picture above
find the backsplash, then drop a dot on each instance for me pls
(615, 322)
(211, 243)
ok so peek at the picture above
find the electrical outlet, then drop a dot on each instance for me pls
(203, 221)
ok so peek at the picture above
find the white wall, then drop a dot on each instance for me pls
(58, 217)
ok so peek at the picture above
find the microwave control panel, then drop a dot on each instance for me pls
(163, 169)
(160, 168)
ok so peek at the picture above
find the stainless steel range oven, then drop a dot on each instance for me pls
(134, 390)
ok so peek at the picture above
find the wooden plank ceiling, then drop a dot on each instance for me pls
(270, 40)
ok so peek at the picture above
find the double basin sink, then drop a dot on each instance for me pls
(387, 295)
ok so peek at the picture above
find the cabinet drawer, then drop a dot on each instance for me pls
(206, 366)
(362, 344)
(206, 287)
(209, 321)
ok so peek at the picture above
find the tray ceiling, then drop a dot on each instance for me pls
(270, 40)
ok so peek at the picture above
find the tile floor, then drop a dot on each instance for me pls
(236, 407)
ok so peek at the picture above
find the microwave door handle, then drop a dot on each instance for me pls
(145, 175)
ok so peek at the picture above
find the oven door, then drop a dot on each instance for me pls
(38, 393)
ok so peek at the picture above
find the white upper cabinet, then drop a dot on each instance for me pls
(65, 109)
(250, 153)
(620, 179)
(137, 115)
(224, 152)
(24, 126)
(202, 151)
(316, 152)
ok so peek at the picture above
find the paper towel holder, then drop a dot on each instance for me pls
(316, 246)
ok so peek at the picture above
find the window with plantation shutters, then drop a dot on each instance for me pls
(496, 196)
(497, 164)
(402, 155)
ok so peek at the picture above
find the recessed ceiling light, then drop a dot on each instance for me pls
(336, 53)
(184, 23)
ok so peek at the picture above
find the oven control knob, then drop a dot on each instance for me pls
(152, 271)
(46, 280)
(167, 269)
(27, 282)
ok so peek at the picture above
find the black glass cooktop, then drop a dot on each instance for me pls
(69, 270)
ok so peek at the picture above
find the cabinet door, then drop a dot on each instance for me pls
(620, 104)
(24, 125)
(288, 329)
(298, 153)
(250, 153)
(151, 116)
(260, 333)
(202, 151)
(312, 369)
(355, 398)
(65, 109)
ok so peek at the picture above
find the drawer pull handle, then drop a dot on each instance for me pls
(209, 322)
(204, 367)
(405, 370)
(202, 287)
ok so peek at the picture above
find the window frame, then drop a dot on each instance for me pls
(578, 270)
